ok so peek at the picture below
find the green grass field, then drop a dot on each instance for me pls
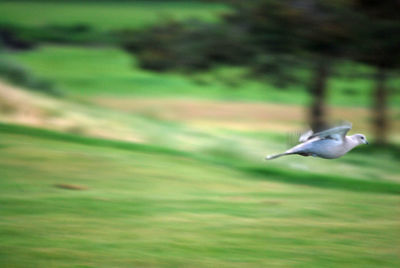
(135, 207)
(133, 168)
(104, 15)
(112, 72)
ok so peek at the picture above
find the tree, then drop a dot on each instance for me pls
(377, 44)
(316, 31)
(270, 37)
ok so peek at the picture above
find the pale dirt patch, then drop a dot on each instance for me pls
(236, 115)
(19, 106)
(29, 108)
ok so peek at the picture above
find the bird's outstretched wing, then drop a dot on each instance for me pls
(335, 133)
(306, 136)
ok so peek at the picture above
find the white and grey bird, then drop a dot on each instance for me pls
(330, 143)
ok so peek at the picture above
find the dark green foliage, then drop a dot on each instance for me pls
(15, 37)
(379, 32)
(19, 75)
(25, 37)
(263, 34)
(187, 46)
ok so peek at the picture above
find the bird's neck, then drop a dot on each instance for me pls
(350, 142)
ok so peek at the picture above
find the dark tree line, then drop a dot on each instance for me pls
(379, 47)
(273, 37)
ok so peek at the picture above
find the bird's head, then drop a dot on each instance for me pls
(360, 138)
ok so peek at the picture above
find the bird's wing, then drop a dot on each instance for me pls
(305, 136)
(336, 133)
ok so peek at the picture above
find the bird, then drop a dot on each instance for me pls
(329, 144)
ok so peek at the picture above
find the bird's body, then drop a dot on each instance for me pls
(329, 144)
(316, 147)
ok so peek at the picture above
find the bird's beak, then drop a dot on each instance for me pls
(366, 142)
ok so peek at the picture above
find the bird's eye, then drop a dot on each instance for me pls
(362, 138)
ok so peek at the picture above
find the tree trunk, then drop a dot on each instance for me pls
(317, 114)
(381, 125)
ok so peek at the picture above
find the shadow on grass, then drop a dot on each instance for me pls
(390, 149)
(323, 180)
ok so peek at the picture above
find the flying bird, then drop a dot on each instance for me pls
(330, 143)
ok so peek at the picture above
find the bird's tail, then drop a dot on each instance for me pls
(270, 157)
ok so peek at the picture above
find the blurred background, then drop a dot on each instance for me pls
(133, 133)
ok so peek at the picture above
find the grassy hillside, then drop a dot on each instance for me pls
(237, 134)
(111, 72)
(104, 15)
(67, 204)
